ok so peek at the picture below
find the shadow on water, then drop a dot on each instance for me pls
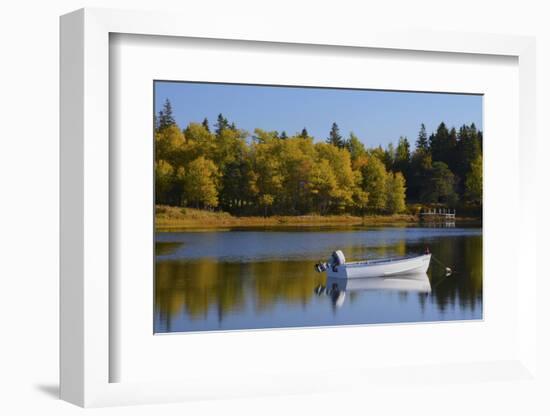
(260, 279)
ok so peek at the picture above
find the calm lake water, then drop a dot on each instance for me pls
(264, 278)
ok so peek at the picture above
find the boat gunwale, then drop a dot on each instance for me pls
(377, 262)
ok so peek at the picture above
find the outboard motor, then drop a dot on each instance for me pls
(336, 259)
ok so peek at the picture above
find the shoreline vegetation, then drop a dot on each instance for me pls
(226, 176)
(173, 219)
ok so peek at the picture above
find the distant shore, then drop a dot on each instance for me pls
(169, 218)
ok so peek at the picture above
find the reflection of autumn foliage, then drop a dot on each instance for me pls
(199, 286)
(293, 282)
(196, 287)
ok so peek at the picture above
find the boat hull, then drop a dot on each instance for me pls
(381, 268)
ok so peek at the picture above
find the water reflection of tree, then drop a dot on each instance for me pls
(292, 282)
(197, 289)
(464, 286)
(200, 286)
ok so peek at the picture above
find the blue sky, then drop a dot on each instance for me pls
(376, 117)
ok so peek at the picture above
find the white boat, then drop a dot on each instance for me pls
(337, 267)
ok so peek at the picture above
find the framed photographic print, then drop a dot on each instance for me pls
(243, 213)
(238, 209)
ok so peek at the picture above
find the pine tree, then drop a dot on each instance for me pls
(440, 144)
(221, 124)
(206, 125)
(283, 136)
(304, 134)
(441, 185)
(450, 151)
(166, 118)
(334, 137)
(422, 141)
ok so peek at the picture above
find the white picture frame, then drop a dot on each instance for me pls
(85, 351)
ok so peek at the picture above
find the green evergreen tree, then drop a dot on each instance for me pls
(402, 156)
(304, 134)
(422, 141)
(206, 125)
(166, 118)
(441, 186)
(439, 143)
(451, 156)
(221, 124)
(334, 137)
(419, 174)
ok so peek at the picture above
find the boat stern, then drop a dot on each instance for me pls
(338, 272)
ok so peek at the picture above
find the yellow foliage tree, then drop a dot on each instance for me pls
(395, 199)
(200, 183)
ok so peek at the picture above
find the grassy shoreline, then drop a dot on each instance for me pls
(169, 218)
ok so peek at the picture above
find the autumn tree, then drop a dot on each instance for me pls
(340, 162)
(355, 147)
(163, 181)
(201, 183)
(374, 182)
(395, 193)
(261, 174)
(268, 177)
(169, 145)
(323, 185)
(200, 142)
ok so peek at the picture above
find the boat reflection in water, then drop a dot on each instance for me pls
(336, 288)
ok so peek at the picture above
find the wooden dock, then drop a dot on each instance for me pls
(438, 214)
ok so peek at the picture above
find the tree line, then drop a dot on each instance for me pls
(270, 172)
